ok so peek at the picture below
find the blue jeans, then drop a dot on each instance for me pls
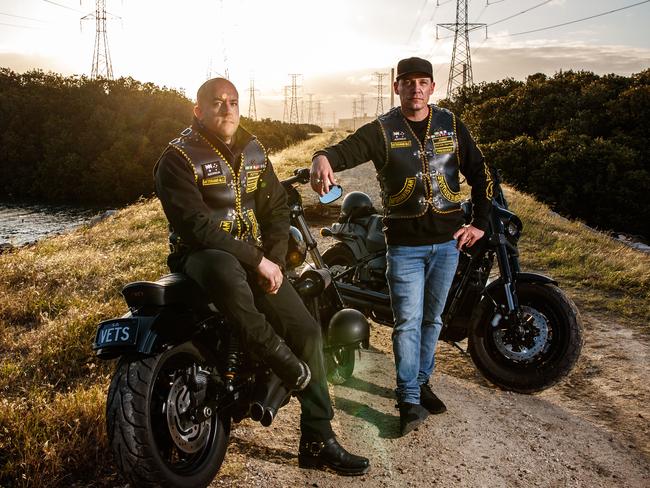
(419, 278)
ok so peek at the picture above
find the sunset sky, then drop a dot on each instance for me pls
(335, 44)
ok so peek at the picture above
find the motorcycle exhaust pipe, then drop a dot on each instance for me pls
(269, 396)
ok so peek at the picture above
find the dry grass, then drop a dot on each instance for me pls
(299, 155)
(53, 294)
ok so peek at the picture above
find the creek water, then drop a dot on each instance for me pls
(22, 224)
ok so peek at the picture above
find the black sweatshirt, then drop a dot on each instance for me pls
(191, 219)
(367, 144)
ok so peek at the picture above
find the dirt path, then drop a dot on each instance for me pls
(591, 430)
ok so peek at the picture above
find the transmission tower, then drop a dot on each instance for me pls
(460, 72)
(319, 113)
(252, 109)
(380, 92)
(361, 106)
(285, 115)
(310, 108)
(293, 110)
(102, 66)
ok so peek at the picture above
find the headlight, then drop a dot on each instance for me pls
(513, 228)
(297, 250)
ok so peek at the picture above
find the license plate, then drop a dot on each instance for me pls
(116, 332)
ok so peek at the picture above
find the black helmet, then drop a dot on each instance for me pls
(356, 204)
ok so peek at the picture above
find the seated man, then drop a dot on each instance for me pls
(229, 217)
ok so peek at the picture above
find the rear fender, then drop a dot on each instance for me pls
(155, 329)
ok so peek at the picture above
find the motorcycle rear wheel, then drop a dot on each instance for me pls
(550, 347)
(154, 443)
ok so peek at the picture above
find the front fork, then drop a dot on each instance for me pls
(508, 261)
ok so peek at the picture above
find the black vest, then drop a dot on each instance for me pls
(416, 177)
(229, 195)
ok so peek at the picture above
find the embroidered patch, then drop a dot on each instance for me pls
(404, 193)
(252, 178)
(398, 144)
(443, 141)
(253, 221)
(216, 180)
(226, 225)
(211, 170)
(253, 165)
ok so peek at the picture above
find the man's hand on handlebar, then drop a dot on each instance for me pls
(322, 175)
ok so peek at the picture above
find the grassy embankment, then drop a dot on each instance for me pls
(54, 293)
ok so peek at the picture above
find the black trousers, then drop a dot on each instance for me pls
(263, 320)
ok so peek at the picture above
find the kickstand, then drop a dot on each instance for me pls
(458, 346)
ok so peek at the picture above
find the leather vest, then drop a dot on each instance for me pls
(229, 195)
(417, 177)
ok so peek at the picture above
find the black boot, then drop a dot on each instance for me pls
(330, 454)
(411, 415)
(293, 372)
(430, 401)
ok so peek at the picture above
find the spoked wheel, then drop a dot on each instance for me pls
(152, 426)
(539, 350)
(340, 364)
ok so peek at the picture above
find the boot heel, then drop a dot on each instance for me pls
(309, 462)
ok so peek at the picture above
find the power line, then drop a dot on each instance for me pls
(417, 20)
(579, 20)
(63, 6)
(21, 26)
(21, 17)
(522, 12)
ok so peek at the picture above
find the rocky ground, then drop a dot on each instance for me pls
(591, 430)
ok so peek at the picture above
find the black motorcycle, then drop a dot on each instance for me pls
(183, 377)
(524, 334)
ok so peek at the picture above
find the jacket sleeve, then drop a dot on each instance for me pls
(477, 173)
(273, 216)
(366, 144)
(188, 214)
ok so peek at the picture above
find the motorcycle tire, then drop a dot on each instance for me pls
(338, 258)
(553, 343)
(340, 365)
(153, 442)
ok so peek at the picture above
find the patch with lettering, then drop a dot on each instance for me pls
(404, 193)
(443, 141)
(254, 165)
(399, 144)
(252, 177)
(226, 225)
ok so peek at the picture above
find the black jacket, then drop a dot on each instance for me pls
(189, 216)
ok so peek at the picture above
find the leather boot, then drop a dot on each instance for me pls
(411, 415)
(330, 455)
(430, 401)
(293, 372)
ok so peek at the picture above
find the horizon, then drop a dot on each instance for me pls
(335, 53)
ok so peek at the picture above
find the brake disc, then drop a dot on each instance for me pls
(537, 327)
(188, 435)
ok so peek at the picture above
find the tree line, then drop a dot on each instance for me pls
(82, 141)
(578, 141)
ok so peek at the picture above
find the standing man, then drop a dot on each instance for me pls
(229, 220)
(418, 151)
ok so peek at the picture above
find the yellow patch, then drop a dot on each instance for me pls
(215, 180)
(251, 180)
(226, 225)
(404, 193)
(398, 144)
(444, 144)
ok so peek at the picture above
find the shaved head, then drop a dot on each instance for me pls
(217, 107)
(212, 86)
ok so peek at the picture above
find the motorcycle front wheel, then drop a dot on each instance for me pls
(338, 259)
(154, 439)
(340, 364)
(536, 354)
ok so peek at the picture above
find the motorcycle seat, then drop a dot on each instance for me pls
(171, 289)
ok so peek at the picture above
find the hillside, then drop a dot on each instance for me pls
(54, 293)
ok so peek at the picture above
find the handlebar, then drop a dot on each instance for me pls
(300, 175)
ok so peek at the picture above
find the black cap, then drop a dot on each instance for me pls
(414, 65)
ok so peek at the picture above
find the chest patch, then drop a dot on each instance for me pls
(213, 173)
(398, 139)
(443, 141)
